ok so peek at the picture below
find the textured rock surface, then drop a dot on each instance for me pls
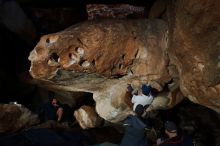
(87, 117)
(102, 57)
(194, 34)
(110, 48)
(97, 11)
(14, 117)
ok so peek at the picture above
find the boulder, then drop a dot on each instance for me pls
(14, 117)
(102, 57)
(194, 48)
(87, 117)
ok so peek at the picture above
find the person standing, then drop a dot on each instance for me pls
(135, 129)
(52, 110)
(174, 138)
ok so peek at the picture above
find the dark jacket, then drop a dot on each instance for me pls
(134, 132)
(48, 112)
(179, 141)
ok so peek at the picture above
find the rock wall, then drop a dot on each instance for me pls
(102, 57)
(194, 47)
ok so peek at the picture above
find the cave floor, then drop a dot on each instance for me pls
(60, 134)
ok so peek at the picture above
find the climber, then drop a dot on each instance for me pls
(52, 110)
(174, 138)
(143, 98)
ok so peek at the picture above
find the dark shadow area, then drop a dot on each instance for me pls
(192, 119)
(57, 137)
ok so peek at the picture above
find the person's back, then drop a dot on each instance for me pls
(134, 132)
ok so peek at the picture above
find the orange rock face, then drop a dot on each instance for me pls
(102, 57)
(110, 48)
(194, 28)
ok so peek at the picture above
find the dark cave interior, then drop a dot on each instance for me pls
(47, 17)
(52, 16)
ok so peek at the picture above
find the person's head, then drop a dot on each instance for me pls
(146, 89)
(139, 110)
(170, 128)
(52, 98)
(54, 101)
